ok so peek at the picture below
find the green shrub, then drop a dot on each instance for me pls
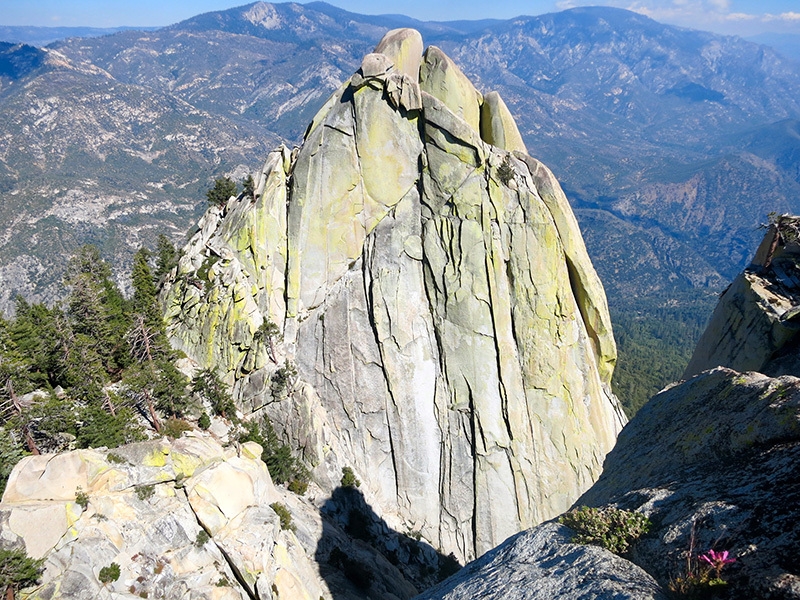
(298, 486)
(284, 515)
(282, 380)
(282, 466)
(100, 428)
(109, 573)
(115, 459)
(222, 190)
(611, 528)
(349, 478)
(505, 172)
(266, 330)
(10, 454)
(202, 538)
(174, 428)
(81, 498)
(18, 570)
(204, 422)
(145, 492)
(202, 272)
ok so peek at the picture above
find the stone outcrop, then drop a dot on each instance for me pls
(451, 339)
(542, 564)
(755, 323)
(146, 507)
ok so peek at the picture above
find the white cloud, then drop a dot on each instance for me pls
(740, 17)
(712, 15)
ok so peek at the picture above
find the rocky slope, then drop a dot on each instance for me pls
(451, 338)
(713, 463)
(147, 506)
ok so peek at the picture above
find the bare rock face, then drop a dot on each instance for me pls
(712, 461)
(450, 337)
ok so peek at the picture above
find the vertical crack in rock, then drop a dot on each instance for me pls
(252, 594)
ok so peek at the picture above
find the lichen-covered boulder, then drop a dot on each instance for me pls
(498, 127)
(440, 328)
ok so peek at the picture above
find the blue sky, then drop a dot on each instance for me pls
(743, 17)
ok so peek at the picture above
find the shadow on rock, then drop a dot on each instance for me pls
(360, 556)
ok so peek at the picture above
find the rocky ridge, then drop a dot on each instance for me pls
(450, 336)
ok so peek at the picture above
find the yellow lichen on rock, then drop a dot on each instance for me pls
(441, 77)
(498, 127)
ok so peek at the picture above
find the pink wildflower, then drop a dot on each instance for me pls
(717, 560)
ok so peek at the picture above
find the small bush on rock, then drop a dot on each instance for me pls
(204, 422)
(202, 538)
(610, 528)
(284, 515)
(81, 498)
(174, 428)
(349, 478)
(282, 466)
(505, 172)
(145, 492)
(109, 573)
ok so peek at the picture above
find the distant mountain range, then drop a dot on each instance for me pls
(672, 144)
(41, 36)
(787, 44)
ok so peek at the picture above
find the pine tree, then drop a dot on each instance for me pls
(95, 306)
(145, 300)
(153, 381)
(166, 258)
(207, 384)
(249, 186)
(221, 192)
